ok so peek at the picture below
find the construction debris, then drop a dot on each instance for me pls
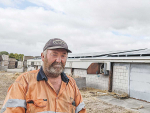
(140, 107)
(119, 96)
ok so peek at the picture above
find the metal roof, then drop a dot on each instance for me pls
(125, 53)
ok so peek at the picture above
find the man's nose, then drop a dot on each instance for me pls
(58, 59)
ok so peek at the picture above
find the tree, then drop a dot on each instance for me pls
(21, 57)
(4, 53)
(11, 55)
(16, 56)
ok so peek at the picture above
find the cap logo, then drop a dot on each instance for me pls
(58, 42)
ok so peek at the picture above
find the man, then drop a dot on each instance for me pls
(47, 90)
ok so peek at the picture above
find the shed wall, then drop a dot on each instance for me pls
(92, 80)
(67, 70)
(121, 78)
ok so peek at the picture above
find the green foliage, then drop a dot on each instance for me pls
(18, 57)
(4, 53)
(11, 55)
(21, 57)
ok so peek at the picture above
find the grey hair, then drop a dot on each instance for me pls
(45, 53)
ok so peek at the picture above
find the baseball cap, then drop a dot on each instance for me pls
(56, 43)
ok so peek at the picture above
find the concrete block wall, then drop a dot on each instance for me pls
(67, 70)
(80, 72)
(81, 82)
(97, 81)
(121, 78)
(92, 80)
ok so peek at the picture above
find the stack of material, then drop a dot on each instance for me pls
(3, 62)
(20, 64)
(11, 64)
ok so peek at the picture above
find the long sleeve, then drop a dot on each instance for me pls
(15, 99)
(80, 106)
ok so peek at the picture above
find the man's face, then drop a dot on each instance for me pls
(54, 62)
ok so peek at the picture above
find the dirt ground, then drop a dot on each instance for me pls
(92, 103)
(95, 105)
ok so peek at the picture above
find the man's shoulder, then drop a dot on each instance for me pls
(28, 75)
(71, 80)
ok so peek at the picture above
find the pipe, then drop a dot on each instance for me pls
(110, 77)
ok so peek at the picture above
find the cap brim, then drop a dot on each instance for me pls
(59, 47)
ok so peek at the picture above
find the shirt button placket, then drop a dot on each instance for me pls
(57, 104)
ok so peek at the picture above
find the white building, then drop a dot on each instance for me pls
(34, 64)
(121, 71)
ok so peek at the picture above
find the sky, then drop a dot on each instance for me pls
(85, 25)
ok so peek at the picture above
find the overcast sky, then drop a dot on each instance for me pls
(86, 25)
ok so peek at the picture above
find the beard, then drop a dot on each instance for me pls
(53, 70)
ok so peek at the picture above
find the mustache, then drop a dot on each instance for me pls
(57, 63)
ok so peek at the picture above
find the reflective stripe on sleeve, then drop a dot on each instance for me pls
(80, 107)
(14, 103)
(50, 112)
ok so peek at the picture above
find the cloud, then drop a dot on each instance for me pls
(87, 26)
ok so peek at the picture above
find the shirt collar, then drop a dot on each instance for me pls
(64, 77)
(41, 76)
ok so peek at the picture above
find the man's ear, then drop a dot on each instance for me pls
(42, 56)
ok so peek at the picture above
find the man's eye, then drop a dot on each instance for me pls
(62, 56)
(54, 55)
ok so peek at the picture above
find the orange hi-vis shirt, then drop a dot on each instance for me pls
(32, 92)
